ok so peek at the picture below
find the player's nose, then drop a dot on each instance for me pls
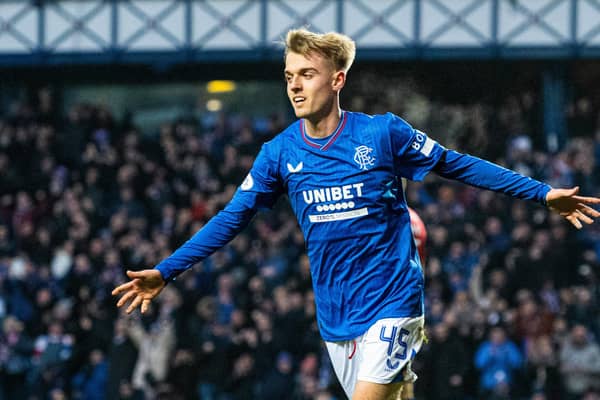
(295, 85)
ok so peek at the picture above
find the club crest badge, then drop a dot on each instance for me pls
(363, 157)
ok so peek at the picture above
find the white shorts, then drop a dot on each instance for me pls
(383, 354)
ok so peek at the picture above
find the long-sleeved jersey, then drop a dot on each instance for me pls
(347, 195)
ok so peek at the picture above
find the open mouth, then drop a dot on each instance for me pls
(298, 100)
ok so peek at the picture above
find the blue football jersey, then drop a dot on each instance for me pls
(347, 196)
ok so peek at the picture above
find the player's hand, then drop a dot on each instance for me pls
(140, 290)
(574, 208)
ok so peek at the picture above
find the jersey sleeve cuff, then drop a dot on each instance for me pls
(166, 274)
(544, 193)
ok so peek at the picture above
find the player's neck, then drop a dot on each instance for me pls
(321, 127)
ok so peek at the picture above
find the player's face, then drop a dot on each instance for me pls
(312, 84)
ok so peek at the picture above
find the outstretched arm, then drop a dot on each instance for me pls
(223, 227)
(484, 174)
(260, 190)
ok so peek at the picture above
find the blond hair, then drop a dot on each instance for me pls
(335, 47)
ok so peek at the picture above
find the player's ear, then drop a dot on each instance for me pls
(339, 80)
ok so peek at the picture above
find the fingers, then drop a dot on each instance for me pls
(586, 199)
(589, 211)
(560, 193)
(574, 221)
(576, 217)
(134, 304)
(126, 297)
(122, 288)
(572, 191)
(581, 216)
(145, 305)
(136, 274)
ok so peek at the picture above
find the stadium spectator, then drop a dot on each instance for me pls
(154, 337)
(279, 379)
(580, 363)
(447, 360)
(16, 349)
(52, 350)
(90, 381)
(122, 356)
(499, 360)
(542, 367)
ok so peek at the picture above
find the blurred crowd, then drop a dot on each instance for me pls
(512, 292)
